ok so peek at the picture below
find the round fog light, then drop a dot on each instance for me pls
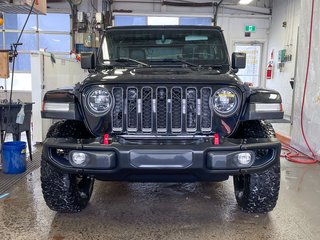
(244, 158)
(79, 158)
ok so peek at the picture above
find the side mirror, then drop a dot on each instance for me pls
(88, 60)
(239, 60)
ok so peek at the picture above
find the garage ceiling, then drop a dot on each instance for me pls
(257, 3)
(256, 7)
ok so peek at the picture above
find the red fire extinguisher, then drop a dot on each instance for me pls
(270, 70)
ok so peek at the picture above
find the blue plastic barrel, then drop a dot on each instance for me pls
(14, 157)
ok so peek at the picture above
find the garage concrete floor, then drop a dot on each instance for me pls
(166, 211)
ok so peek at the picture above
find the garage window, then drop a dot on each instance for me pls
(55, 22)
(16, 22)
(29, 41)
(22, 63)
(121, 20)
(199, 21)
(130, 20)
(1, 41)
(55, 43)
(50, 32)
(163, 21)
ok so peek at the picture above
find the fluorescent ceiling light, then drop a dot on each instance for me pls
(245, 2)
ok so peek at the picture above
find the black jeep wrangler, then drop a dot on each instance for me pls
(161, 104)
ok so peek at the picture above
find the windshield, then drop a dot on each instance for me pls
(200, 47)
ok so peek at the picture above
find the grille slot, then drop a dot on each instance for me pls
(162, 110)
(176, 109)
(191, 112)
(206, 113)
(117, 114)
(146, 98)
(132, 107)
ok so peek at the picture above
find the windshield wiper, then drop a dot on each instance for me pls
(176, 60)
(131, 60)
(217, 66)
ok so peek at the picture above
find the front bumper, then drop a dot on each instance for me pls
(156, 162)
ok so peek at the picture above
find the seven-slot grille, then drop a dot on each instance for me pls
(162, 110)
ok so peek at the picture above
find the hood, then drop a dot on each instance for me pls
(161, 76)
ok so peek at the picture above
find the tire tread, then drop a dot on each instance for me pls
(261, 190)
(60, 190)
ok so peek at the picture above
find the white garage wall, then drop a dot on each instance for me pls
(300, 20)
(284, 38)
(234, 25)
(312, 107)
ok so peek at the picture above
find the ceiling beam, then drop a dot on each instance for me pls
(260, 10)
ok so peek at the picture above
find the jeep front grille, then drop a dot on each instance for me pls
(162, 110)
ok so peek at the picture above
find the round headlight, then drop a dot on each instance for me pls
(225, 102)
(99, 101)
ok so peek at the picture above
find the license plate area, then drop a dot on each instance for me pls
(161, 159)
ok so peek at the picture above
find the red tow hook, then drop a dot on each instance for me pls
(216, 139)
(106, 139)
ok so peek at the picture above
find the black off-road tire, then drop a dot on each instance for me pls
(258, 192)
(255, 129)
(69, 129)
(65, 193)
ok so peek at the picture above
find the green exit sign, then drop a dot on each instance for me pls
(250, 28)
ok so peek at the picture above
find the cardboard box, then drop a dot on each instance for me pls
(4, 64)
